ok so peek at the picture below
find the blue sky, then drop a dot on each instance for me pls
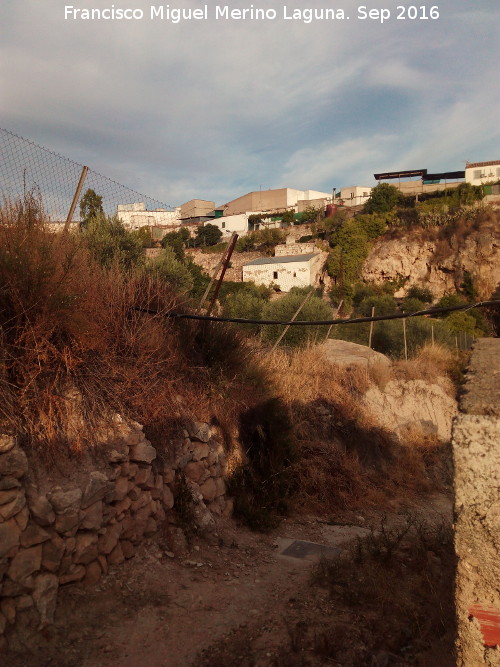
(215, 109)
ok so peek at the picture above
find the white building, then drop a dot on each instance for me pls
(135, 216)
(286, 271)
(355, 195)
(479, 173)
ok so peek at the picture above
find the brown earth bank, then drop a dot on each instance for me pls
(386, 598)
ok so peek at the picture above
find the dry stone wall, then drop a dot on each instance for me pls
(73, 522)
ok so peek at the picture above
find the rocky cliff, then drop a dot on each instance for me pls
(439, 259)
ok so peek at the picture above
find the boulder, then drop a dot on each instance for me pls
(209, 490)
(167, 498)
(25, 563)
(344, 353)
(196, 471)
(75, 573)
(9, 483)
(52, 553)
(10, 534)
(7, 442)
(13, 463)
(93, 516)
(201, 452)
(14, 506)
(93, 573)
(96, 489)
(107, 542)
(65, 500)
(198, 431)
(143, 452)
(42, 510)
(22, 518)
(34, 534)
(86, 548)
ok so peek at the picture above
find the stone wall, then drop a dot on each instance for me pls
(476, 453)
(75, 520)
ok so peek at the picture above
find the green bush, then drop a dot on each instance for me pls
(109, 242)
(177, 242)
(412, 305)
(421, 293)
(383, 199)
(168, 268)
(383, 304)
(207, 235)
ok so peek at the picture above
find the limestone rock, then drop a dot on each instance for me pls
(86, 548)
(13, 463)
(7, 442)
(143, 452)
(52, 553)
(42, 510)
(344, 353)
(45, 597)
(167, 498)
(8, 609)
(9, 495)
(96, 489)
(93, 516)
(168, 475)
(151, 527)
(121, 488)
(9, 537)
(65, 500)
(208, 490)
(198, 431)
(200, 452)
(76, 573)
(93, 573)
(196, 471)
(143, 500)
(116, 556)
(142, 476)
(25, 563)
(34, 535)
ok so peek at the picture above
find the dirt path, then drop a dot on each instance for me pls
(166, 610)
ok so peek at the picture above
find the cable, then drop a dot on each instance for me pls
(357, 320)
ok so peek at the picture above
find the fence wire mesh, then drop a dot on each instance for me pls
(26, 167)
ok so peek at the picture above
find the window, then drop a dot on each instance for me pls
(275, 275)
(479, 174)
(294, 274)
(365, 194)
(223, 225)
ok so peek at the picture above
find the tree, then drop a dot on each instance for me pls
(169, 269)
(284, 308)
(90, 206)
(109, 242)
(208, 235)
(383, 198)
(176, 241)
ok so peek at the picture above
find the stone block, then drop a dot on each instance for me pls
(93, 573)
(123, 505)
(97, 487)
(143, 500)
(200, 452)
(52, 553)
(22, 518)
(67, 520)
(142, 452)
(116, 556)
(103, 563)
(198, 431)
(9, 537)
(220, 485)
(151, 527)
(196, 471)
(8, 609)
(128, 548)
(41, 510)
(9, 483)
(14, 506)
(208, 490)
(13, 463)
(121, 488)
(24, 602)
(62, 501)
(76, 573)
(25, 563)
(7, 496)
(92, 519)
(45, 597)
(107, 542)
(34, 534)
(86, 548)
(168, 475)
(7, 442)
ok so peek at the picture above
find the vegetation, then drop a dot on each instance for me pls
(207, 235)
(264, 240)
(383, 198)
(90, 206)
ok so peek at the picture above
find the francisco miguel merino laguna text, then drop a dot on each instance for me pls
(219, 12)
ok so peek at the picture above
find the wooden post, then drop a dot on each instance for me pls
(432, 333)
(224, 268)
(76, 197)
(308, 295)
(371, 328)
(334, 317)
(214, 275)
(404, 335)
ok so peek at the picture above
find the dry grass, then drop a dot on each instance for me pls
(346, 459)
(75, 349)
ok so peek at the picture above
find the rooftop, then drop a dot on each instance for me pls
(285, 259)
(468, 165)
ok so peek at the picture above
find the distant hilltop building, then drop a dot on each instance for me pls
(480, 173)
(135, 216)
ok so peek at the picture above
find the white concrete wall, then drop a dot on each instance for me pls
(355, 195)
(286, 275)
(483, 174)
(134, 219)
(232, 223)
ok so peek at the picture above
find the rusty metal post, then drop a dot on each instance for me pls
(78, 191)
(224, 268)
(214, 275)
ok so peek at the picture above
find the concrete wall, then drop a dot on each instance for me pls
(271, 200)
(476, 453)
(135, 216)
(355, 195)
(195, 208)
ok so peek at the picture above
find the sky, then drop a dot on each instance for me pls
(213, 109)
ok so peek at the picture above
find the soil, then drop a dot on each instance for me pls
(231, 599)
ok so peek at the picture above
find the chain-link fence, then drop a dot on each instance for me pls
(27, 167)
